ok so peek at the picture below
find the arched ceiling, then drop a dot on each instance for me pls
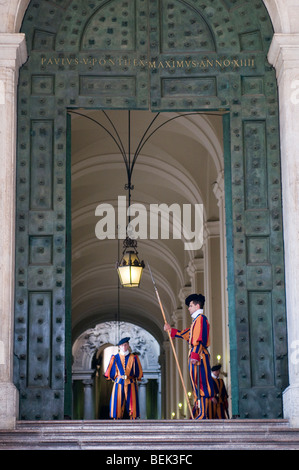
(280, 11)
(178, 164)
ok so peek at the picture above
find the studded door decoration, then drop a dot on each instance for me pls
(169, 55)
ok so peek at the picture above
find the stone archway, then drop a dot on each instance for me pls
(96, 339)
(50, 82)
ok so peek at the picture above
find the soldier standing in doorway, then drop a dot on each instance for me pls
(220, 401)
(199, 358)
(124, 370)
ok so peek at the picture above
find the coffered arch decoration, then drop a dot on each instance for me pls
(169, 56)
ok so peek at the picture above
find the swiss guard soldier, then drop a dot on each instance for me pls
(125, 370)
(220, 402)
(199, 357)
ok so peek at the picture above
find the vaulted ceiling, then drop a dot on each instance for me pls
(179, 164)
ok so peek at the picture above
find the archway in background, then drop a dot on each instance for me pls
(91, 354)
(93, 56)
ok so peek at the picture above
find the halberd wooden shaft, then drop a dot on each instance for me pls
(172, 345)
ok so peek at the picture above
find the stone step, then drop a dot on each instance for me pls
(151, 435)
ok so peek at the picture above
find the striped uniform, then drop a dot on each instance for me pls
(198, 337)
(124, 371)
(220, 409)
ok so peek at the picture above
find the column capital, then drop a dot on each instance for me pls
(13, 50)
(284, 52)
(218, 187)
(184, 292)
(177, 315)
(88, 382)
(196, 265)
(211, 229)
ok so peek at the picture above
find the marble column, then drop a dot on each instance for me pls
(159, 395)
(284, 56)
(169, 373)
(142, 398)
(88, 399)
(12, 55)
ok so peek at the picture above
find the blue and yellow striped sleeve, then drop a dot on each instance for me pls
(138, 373)
(111, 369)
(184, 334)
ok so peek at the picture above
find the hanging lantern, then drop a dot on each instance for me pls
(130, 268)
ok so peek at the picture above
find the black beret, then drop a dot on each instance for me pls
(217, 367)
(124, 340)
(198, 298)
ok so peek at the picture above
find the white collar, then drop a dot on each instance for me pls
(124, 353)
(196, 313)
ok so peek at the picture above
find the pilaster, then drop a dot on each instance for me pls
(195, 271)
(284, 56)
(219, 192)
(12, 56)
